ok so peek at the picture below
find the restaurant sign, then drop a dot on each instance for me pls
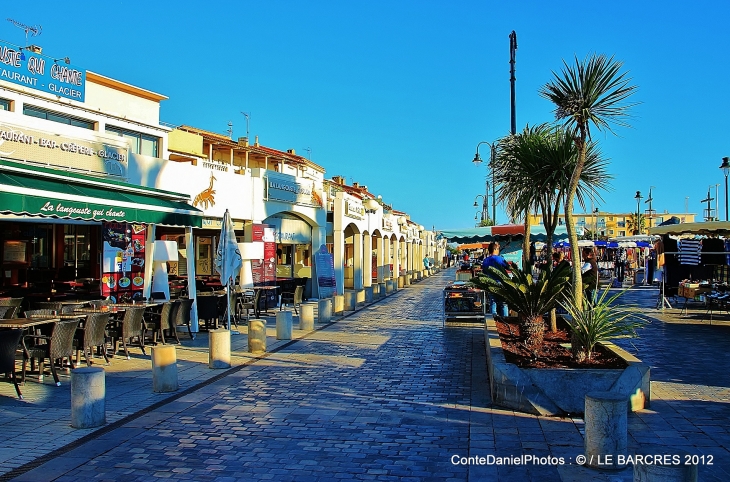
(50, 149)
(280, 188)
(36, 71)
(387, 225)
(354, 210)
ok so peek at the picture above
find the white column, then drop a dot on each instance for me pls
(396, 259)
(388, 245)
(149, 249)
(338, 254)
(357, 271)
(192, 293)
(381, 259)
(367, 256)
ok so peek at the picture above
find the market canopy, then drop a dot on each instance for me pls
(501, 232)
(719, 228)
(37, 191)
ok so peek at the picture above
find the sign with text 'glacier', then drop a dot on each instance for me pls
(22, 66)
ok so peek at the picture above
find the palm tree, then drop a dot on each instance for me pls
(533, 170)
(636, 223)
(593, 92)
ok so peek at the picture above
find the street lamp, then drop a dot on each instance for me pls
(595, 223)
(638, 197)
(477, 161)
(485, 204)
(725, 170)
(650, 211)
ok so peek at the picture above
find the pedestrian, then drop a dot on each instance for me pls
(589, 272)
(494, 259)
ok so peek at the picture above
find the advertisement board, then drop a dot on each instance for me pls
(123, 258)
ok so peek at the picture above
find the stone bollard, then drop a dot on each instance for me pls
(283, 325)
(324, 310)
(376, 291)
(88, 397)
(389, 287)
(256, 335)
(660, 464)
(369, 297)
(164, 368)
(350, 300)
(383, 290)
(306, 316)
(402, 281)
(359, 298)
(606, 430)
(338, 304)
(407, 279)
(219, 348)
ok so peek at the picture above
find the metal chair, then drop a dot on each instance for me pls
(247, 302)
(208, 310)
(56, 306)
(58, 346)
(182, 314)
(9, 341)
(294, 300)
(68, 308)
(132, 327)
(93, 336)
(15, 303)
(4, 310)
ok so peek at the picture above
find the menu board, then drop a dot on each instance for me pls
(123, 258)
(325, 265)
(264, 271)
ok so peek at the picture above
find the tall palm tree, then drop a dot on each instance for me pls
(592, 92)
(533, 169)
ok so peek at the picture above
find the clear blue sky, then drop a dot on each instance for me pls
(397, 94)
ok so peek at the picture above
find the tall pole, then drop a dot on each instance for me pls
(726, 196)
(725, 170)
(512, 52)
(492, 153)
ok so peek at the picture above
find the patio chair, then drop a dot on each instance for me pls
(14, 302)
(58, 346)
(295, 298)
(164, 320)
(93, 336)
(4, 310)
(132, 327)
(96, 304)
(246, 302)
(9, 341)
(182, 314)
(208, 310)
(68, 308)
(56, 306)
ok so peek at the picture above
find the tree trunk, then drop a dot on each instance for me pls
(526, 244)
(570, 222)
(533, 330)
(549, 261)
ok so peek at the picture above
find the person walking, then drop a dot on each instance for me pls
(589, 273)
(494, 259)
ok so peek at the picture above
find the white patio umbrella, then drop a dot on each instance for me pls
(228, 260)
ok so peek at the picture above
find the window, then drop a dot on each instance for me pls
(57, 117)
(139, 143)
(4, 104)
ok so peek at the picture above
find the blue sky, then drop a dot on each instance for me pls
(397, 94)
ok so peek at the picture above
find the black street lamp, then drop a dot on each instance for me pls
(725, 170)
(637, 228)
(485, 204)
(477, 161)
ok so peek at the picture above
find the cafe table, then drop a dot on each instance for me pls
(25, 323)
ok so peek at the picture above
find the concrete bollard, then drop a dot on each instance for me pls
(306, 316)
(606, 430)
(338, 304)
(219, 348)
(256, 335)
(164, 368)
(324, 310)
(389, 287)
(376, 291)
(369, 297)
(407, 279)
(283, 325)
(350, 300)
(402, 281)
(660, 464)
(382, 291)
(88, 397)
(359, 298)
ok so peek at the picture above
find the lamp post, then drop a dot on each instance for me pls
(650, 211)
(595, 223)
(485, 204)
(638, 197)
(477, 161)
(725, 170)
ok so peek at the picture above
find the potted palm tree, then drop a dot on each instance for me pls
(530, 298)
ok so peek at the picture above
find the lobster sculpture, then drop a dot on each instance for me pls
(206, 197)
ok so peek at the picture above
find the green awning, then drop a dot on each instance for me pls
(36, 191)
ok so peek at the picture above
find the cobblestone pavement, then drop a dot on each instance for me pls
(386, 393)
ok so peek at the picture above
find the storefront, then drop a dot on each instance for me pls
(63, 230)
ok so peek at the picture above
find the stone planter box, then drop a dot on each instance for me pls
(561, 391)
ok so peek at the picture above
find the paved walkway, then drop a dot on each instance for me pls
(384, 394)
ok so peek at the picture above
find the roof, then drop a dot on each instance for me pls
(720, 228)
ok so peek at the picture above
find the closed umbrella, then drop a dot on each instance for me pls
(228, 259)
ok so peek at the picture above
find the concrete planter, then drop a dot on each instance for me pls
(561, 391)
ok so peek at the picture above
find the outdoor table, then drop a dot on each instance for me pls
(25, 323)
(60, 316)
(110, 309)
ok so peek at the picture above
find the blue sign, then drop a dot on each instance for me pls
(22, 66)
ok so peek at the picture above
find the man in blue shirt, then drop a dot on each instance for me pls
(498, 306)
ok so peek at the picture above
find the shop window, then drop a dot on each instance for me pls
(4, 104)
(52, 116)
(139, 143)
(77, 250)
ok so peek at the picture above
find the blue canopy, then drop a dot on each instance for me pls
(486, 234)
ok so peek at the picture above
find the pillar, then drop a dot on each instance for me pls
(306, 316)
(88, 397)
(256, 335)
(164, 368)
(219, 348)
(324, 310)
(283, 325)
(606, 429)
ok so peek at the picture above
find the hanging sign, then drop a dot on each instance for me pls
(325, 265)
